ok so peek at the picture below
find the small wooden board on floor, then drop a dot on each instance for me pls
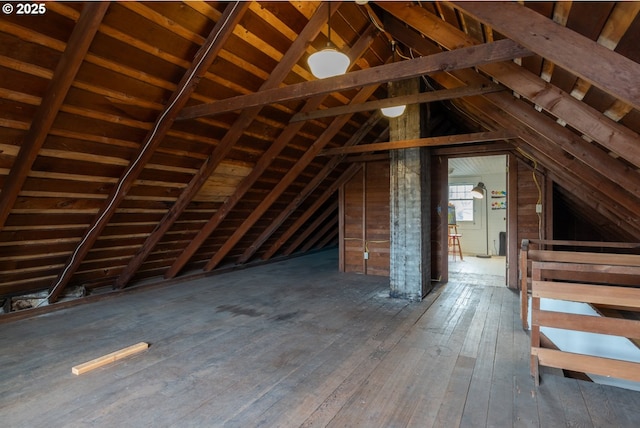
(109, 358)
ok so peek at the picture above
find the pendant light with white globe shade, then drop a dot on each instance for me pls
(328, 62)
(394, 111)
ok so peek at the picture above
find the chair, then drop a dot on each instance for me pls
(454, 242)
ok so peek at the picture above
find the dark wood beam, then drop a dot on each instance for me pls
(474, 150)
(308, 189)
(313, 226)
(202, 61)
(591, 122)
(598, 191)
(367, 158)
(447, 140)
(63, 76)
(293, 173)
(613, 73)
(613, 201)
(317, 204)
(424, 97)
(332, 224)
(280, 72)
(503, 50)
(332, 237)
(591, 155)
(278, 145)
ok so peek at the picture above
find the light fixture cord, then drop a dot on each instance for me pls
(329, 24)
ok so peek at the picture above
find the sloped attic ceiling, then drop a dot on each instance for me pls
(148, 139)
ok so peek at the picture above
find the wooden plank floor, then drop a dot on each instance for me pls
(294, 344)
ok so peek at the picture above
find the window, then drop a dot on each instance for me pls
(460, 197)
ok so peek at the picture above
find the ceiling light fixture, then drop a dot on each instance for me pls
(328, 62)
(394, 111)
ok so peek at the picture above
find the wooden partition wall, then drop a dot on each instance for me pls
(364, 211)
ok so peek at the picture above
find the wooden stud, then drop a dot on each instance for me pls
(338, 184)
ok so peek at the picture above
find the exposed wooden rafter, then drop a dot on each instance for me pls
(222, 149)
(612, 73)
(540, 132)
(308, 189)
(302, 163)
(302, 237)
(295, 227)
(330, 226)
(202, 60)
(117, 171)
(283, 139)
(63, 76)
(616, 137)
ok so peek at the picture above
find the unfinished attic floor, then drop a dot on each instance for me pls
(293, 344)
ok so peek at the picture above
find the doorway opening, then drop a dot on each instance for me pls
(477, 226)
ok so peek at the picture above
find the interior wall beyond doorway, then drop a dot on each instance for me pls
(484, 228)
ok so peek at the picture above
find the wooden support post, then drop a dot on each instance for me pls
(410, 268)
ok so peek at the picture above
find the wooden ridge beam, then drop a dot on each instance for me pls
(308, 189)
(471, 56)
(424, 97)
(61, 81)
(447, 140)
(295, 51)
(202, 60)
(283, 139)
(302, 163)
(613, 73)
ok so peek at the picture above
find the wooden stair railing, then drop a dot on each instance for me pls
(593, 278)
(542, 250)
